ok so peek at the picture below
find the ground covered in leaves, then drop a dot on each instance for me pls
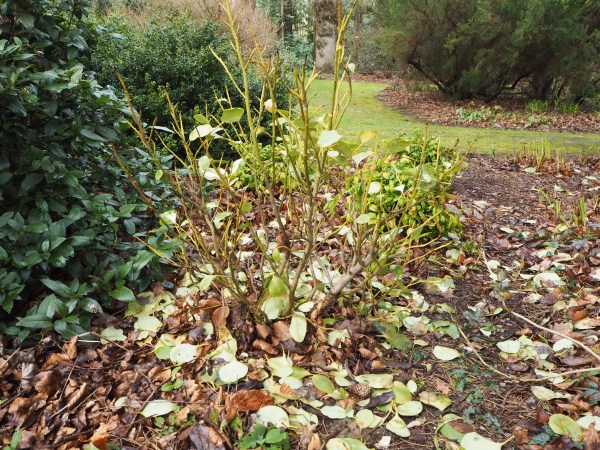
(426, 103)
(497, 345)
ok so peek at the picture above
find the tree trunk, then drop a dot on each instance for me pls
(287, 18)
(326, 17)
(358, 20)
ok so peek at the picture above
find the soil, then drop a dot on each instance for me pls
(425, 103)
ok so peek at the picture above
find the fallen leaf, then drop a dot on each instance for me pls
(445, 353)
(565, 426)
(100, 437)
(219, 316)
(203, 437)
(474, 441)
(47, 382)
(243, 401)
(591, 439)
(156, 408)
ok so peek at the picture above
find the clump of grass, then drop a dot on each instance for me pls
(537, 106)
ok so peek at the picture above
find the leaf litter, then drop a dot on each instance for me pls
(493, 346)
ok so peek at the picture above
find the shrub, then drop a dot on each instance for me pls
(409, 160)
(65, 207)
(175, 56)
(481, 48)
(275, 245)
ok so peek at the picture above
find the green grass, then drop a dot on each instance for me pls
(366, 112)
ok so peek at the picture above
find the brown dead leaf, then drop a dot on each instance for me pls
(70, 348)
(591, 438)
(282, 330)
(219, 316)
(100, 437)
(567, 407)
(243, 401)
(181, 416)
(19, 410)
(442, 387)
(55, 359)
(47, 382)
(521, 435)
(203, 437)
(259, 344)
(263, 330)
(307, 439)
(574, 361)
(462, 426)
(315, 442)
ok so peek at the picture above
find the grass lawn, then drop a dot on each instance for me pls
(366, 112)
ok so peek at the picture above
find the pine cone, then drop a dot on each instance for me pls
(360, 390)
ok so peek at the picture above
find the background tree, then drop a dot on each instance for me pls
(482, 47)
(326, 18)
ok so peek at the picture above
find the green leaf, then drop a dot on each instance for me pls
(411, 408)
(474, 441)
(277, 287)
(39, 321)
(147, 323)
(377, 380)
(445, 353)
(272, 415)
(298, 327)
(31, 180)
(232, 115)
(27, 20)
(328, 138)
(112, 334)
(232, 372)
(565, 426)
(201, 119)
(334, 412)
(183, 353)
(363, 219)
(440, 402)
(345, 444)
(123, 294)
(398, 426)
(322, 383)
(157, 408)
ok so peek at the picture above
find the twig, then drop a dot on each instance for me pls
(514, 377)
(9, 358)
(541, 327)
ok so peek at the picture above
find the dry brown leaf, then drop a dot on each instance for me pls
(259, 344)
(55, 359)
(282, 330)
(47, 382)
(521, 435)
(219, 316)
(182, 415)
(243, 401)
(263, 330)
(19, 410)
(100, 437)
(442, 387)
(591, 438)
(70, 348)
(203, 437)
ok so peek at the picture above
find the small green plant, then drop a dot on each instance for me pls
(271, 438)
(14, 441)
(566, 107)
(537, 106)
(484, 113)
